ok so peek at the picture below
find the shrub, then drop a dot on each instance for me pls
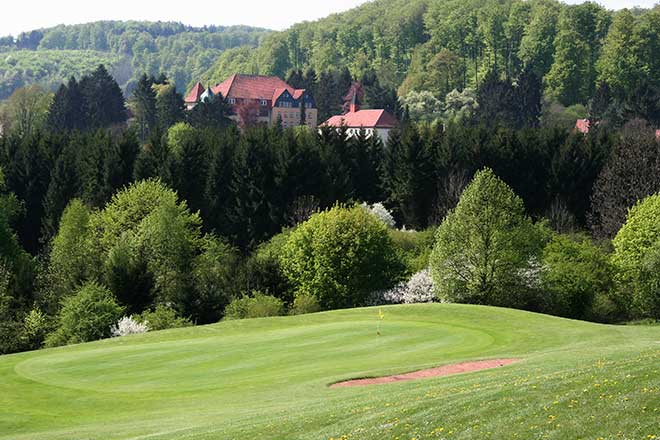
(340, 256)
(163, 317)
(379, 211)
(303, 304)
(413, 248)
(485, 245)
(256, 306)
(420, 288)
(574, 272)
(264, 269)
(86, 316)
(35, 328)
(636, 259)
(129, 326)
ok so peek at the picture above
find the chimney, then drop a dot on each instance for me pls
(354, 105)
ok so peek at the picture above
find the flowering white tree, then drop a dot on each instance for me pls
(418, 289)
(379, 211)
(128, 326)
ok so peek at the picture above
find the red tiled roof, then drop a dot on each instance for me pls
(364, 119)
(657, 134)
(251, 87)
(195, 93)
(297, 93)
(277, 93)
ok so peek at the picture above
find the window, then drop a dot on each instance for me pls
(264, 103)
(231, 101)
(308, 104)
(285, 104)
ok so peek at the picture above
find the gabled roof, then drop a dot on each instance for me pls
(195, 93)
(251, 87)
(364, 119)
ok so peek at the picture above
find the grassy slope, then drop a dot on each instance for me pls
(267, 379)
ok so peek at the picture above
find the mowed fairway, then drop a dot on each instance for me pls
(267, 379)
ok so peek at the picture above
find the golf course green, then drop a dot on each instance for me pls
(268, 379)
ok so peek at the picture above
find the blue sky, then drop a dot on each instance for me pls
(17, 16)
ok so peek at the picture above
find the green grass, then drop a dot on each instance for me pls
(267, 379)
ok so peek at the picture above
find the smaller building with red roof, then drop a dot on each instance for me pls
(371, 122)
(275, 99)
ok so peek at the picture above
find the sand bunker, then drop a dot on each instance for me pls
(445, 370)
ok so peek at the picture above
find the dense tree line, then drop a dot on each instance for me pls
(50, 56)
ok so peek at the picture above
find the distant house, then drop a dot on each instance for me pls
(584, 125)
(274, 99)
(378, 122)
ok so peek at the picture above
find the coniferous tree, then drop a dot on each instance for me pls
(63, 187)
(325, 96)
(217, 193)
(144, 106)
(103, 100)
(170, 107)
(528, 94)
(66, 110)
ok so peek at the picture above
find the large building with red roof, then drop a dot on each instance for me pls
(371, 122)
(273, 99)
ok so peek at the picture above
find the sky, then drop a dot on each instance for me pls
(17, 16)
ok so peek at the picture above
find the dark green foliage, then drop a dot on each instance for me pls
(144, 106)
(103, 99)
(162, 317)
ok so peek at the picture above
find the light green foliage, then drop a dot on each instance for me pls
(163, 317)
(71, 261)
(36, 326)
(202, 382)
(413, 248)
(178, 134)
(485, 248)
(635, 257)
(128, 48)
(25, 111)
(340, 256)
(421, 106)
(256, 306)
(460, 106)
(304, 304)
(620, 65)
(575, 271)
(86, 316)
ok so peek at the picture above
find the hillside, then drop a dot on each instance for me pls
(50, 56)
(267, 378)
(425, 45)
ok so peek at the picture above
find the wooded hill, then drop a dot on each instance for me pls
(437, 46)
(50, 56)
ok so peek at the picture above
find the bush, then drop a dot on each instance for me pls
(264, 269)
(486, 247)
(636, 259)
(418, 289)
(129, 326)
(340, 256)
(35, 328)
(163, 317)
(303, 304)
(86, 316)
(575, 271)
(379, 211)
(414, 248)
(256, 306)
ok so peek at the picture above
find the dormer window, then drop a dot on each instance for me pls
(231, 101)
(264, 103)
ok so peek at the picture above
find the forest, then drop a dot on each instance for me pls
(50, 56)
(586, 57)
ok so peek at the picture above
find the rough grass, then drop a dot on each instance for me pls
(267, 379)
